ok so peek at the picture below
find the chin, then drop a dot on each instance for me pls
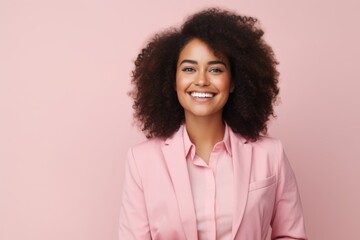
(203, 114)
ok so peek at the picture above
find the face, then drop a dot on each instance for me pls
(203, 80)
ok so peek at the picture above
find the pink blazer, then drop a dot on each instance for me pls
(157, 200)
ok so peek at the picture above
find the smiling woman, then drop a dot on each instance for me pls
(203, 95)
(203, 81)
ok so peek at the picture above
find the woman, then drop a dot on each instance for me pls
(203, 95)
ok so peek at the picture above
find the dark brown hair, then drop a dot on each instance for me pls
(253, 71)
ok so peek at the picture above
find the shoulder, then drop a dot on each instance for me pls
(146, 156)
(267, 143)
(269, 146)
(152, 149)
(264, 143)
(150, 146)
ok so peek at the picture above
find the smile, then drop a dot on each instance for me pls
(202, 94)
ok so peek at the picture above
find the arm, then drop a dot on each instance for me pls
(133, 223)
(287, 221)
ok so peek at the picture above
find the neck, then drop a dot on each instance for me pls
(205, 131)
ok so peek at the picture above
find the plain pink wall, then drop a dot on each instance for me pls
(65, 118)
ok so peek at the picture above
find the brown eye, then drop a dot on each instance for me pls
(216, 70)
(188, 69)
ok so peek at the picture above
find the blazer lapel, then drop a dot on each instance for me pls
(174, 154)
(241, 153)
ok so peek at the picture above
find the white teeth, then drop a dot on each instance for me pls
(202, 95)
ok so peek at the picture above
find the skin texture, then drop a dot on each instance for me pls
(199, 70)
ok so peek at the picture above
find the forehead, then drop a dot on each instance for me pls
(198, 50)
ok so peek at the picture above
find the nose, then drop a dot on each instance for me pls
(202, 80)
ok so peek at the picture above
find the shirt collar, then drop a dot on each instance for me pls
(189, 147)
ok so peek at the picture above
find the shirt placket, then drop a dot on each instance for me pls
(211, 207)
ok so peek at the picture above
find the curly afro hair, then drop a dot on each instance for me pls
(253, 72)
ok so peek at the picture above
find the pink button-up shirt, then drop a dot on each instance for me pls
(212, 188)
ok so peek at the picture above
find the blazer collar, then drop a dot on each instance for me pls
(242, 155)
(174, 153)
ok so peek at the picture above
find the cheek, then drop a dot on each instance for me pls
(177, 84)
(180, 82)
(177, 80)
(227, 83)
(178, 87)
(223, 84)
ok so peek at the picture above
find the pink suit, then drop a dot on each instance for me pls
(157, 201)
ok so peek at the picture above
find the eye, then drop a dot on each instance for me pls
(188, 69)
(216, 70)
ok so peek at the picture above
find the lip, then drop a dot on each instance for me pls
(202, 91)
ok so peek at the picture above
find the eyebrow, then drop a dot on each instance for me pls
(209, 63)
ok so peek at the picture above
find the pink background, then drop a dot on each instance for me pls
(65, 118)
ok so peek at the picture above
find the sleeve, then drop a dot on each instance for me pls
(133, 220)
(287, 220)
